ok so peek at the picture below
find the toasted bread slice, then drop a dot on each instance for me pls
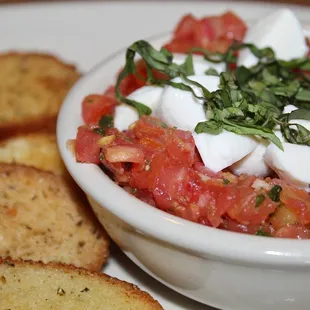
(38, 150)
(32, 88)
(44, 218)
(35, 286)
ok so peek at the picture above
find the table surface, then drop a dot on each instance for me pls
(300, 2)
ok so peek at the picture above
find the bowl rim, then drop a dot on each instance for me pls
(220, 244)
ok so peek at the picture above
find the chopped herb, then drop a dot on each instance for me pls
(260, 232)
(106, 121)
(134, 191)
(250, 101)
(61, 292)
(99, 130)
(259, 200)
(274, 193)
(226, 181)
(86, 289)
(211, 71)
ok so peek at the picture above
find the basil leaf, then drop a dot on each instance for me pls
(99, 130)
(275, 192)
(303, 95)
(212, 71)
(106, 121)
(260, 232)
(243, 75)
(259, 200)
(300, 114)
(212, 127)
(188, 65)
(252, 130)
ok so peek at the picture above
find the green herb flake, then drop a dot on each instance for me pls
(259, 200)
(99, 130)
(226, 181)
(274, 193)
(61, 292)
(106, 121)
(85, 290)
(260, 232)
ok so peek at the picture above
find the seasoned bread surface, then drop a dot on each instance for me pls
(34, 286)
(37, 149)
(32, 88)
(44, 217)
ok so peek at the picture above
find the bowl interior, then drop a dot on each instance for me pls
(200, 239)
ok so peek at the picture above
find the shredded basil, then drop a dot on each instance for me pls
(106, 121)
(260, 232)
(99, 130)
(259, 200)
(249, 101)
(274, 193)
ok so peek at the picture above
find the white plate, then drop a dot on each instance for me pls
(86, 32)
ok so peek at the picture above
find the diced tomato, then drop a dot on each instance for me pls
(149, 126)
(185, 28)
(143, 177)
(177, 190)
(179, 46)
(293, 231)
(123, 153)
(215, 199)
(180, 146)
(297, 201)
(96, 106)
(246, 210)
(234, 27)
(87, 150)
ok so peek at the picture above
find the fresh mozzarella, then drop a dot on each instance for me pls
(200, 64)
(222, 150)
(292, 165)
(253, 163)
(281, 31)
(126, 115)
(180, 108)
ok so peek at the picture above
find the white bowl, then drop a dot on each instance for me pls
(216, 267)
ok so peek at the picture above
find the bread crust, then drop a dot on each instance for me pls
(126, 290)
(51, 217)
(32, 89)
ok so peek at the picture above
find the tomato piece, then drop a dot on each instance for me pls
(149, 126)
(96, 106)
(215, 199)
(207, 30)
(297, 201)
(180, 46)
(87, 150)
(180, 146)
(185, 28)
(234, 26)
(143, 176)
(123, 153)
(246, 209)
(177, 190)
(293, 231)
